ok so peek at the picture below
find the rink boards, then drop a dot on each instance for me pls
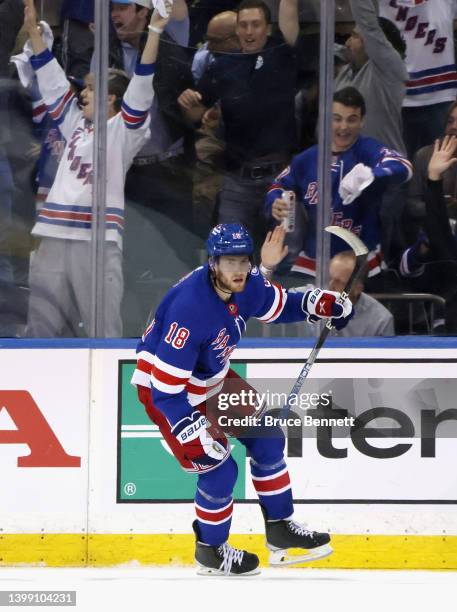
(87, 480)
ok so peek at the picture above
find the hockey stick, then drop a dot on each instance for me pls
(361, 253)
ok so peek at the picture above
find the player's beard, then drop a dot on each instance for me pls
(227, 285)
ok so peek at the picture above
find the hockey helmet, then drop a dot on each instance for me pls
(229, 239)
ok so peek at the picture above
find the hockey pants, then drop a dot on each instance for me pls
(214, 496)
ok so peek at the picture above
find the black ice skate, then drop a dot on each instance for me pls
(284, 534)
(223, 560)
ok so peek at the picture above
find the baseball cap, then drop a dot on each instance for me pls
(146, 3)
(78, 83)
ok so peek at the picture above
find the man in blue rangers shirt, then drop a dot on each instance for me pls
(183, 358)
(362, 168)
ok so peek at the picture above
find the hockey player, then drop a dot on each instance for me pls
(362, 168)
(183, 358)
(60, 273)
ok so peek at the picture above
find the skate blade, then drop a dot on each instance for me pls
(280, 556)
(208, 571)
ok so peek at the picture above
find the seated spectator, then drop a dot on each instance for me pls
(431, 263)
(60, 274)
(428, 30)
(256, 92)
(370, 318)
(418, 185)
(362, 168)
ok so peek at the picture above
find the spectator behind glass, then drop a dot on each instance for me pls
(221, 37)
(130, 24)
(256, 92)
(428, 30)
(362, 169)
(45, 129)
(201, 12)
(430, 264)
(159, 183)
(376, 68)
(418, 185)
(371, 318)
(77, 17)
(60, 275)
(10, 24)
(378, 71)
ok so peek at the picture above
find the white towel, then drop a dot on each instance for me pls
(355, 182)
(22, 60)
(164, 7)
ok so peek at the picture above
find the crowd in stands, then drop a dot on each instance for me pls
(212, 118)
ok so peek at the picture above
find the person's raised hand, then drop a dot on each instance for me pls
(273, 249)
(158, 18)
(442, 157)
(30, 17)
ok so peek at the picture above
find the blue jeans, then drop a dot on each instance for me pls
(241, 201)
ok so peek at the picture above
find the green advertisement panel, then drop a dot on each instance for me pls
(147, 471)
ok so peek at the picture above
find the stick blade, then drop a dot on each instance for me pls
(349, 237)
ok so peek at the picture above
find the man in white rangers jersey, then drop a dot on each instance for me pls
(428, 29)
(60, 271)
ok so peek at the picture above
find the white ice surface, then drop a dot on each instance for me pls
(138, 589)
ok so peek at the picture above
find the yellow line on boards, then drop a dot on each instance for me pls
(350, 551)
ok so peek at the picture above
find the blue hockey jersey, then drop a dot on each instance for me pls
(184, 354)
(361, 216)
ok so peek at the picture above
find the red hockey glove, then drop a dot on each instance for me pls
(322, 304)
